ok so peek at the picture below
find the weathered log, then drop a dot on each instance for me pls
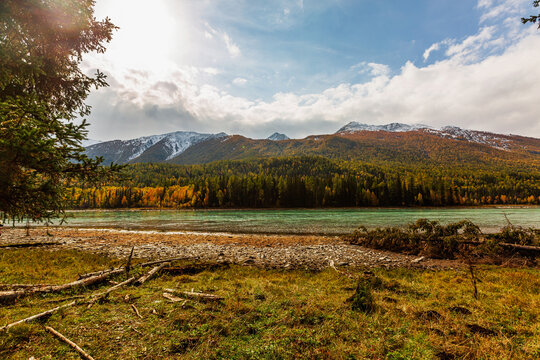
(196, 295)
(38, 316)
(96, 273)
(527, 248)
(151, 273)
(23, 286)
(150, 263)
(12, 295)
(77, 348)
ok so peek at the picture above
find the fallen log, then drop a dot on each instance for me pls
(527, 248)
(197, 295)
(150, 263)
(12, 295)
(77, 348)
(96, 273)
(150, 274)
(38, 316)
(23, 286)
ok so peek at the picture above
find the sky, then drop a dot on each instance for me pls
(305, 67)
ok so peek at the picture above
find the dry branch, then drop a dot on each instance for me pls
(38, 316)
(172, 298)
(197, 295)
(12, 295)
(77, 348)
(151, 273)
(128, 264)
(96, 273)
(136, 310)
(23, 286)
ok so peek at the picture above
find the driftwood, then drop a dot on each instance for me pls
(77, 348)
(38, 316)
(100, 272)
(12, 295)
(151, 273)
(28, 244)
(150, 263)
(22, 286)
(91, 300)
(171, 297)
(197, 295)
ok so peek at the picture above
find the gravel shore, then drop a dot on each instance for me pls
(268, 251)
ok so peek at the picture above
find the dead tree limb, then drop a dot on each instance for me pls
(38, 316)
(171, 297)
(77, 348)
(22, 286)
(151, 273)
(128, 264)
(196, 295)
(12, 295)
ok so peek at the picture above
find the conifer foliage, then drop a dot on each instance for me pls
(42, 94)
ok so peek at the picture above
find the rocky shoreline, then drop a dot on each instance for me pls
(267, 251)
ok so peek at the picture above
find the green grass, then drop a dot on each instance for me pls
(271, 314)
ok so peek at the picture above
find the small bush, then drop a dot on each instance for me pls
(362, 300)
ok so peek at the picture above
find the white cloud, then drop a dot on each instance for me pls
(373, 69)
(239, 81)
(429, 50)
(232, 48)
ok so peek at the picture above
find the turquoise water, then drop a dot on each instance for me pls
(296, 221)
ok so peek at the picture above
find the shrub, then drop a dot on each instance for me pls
(362, 300)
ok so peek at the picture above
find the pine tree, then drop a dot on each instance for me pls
(42, 94)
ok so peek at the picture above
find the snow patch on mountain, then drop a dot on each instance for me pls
(450, 132)
(278, 137)
(177, 142)
(355, 126)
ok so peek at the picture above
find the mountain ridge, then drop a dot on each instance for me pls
(371, 143)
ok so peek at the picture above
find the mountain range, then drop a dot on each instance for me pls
(393, 142)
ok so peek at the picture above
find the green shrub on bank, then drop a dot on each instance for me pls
(431, 238)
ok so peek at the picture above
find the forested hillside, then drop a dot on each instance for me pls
(313, 181)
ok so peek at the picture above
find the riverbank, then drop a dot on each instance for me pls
(265, 251)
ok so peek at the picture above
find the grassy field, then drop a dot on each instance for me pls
(270, 314)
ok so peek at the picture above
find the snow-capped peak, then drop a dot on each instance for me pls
(278, 136)
(355, 126)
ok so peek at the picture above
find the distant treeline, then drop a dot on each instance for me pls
(308, 182)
